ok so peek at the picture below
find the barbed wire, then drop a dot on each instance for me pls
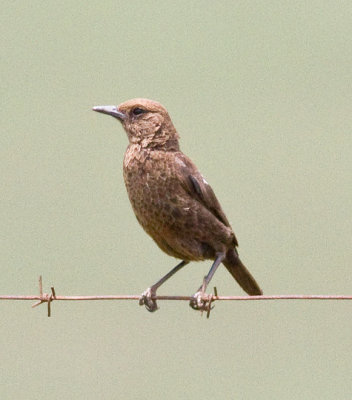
(208, 299)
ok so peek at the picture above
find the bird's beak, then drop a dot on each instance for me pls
(110, 110)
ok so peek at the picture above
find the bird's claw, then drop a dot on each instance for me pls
(200, 301)
(147, 300)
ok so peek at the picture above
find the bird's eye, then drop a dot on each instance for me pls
(137, 111)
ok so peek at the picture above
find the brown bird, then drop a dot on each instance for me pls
(171, 199)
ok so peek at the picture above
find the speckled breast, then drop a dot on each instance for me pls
(151, 188)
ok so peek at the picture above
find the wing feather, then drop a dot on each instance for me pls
(195, 184)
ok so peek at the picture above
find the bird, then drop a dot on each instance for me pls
(172, 201)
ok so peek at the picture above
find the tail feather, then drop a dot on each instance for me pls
(244, 278)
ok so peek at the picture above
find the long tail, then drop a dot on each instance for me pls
(244, 278)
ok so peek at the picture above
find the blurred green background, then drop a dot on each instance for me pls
(261, 93)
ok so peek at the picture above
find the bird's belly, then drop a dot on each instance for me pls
(166, 216)
(155, 203)
(178, 224)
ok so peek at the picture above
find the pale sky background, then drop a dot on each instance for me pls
(261, 94)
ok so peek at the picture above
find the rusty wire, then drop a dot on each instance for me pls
(208, 299)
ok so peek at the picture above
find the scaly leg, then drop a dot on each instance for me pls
(197, 302)
(146, 296)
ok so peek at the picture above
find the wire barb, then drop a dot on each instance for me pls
(44, 297)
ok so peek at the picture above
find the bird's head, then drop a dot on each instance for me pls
(146, 122)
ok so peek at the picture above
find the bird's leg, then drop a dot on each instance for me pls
(197, 302)
(146, 296)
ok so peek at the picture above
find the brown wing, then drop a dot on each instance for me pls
(195, 184)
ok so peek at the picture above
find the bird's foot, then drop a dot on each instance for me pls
(147, 300)
(201, 301)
